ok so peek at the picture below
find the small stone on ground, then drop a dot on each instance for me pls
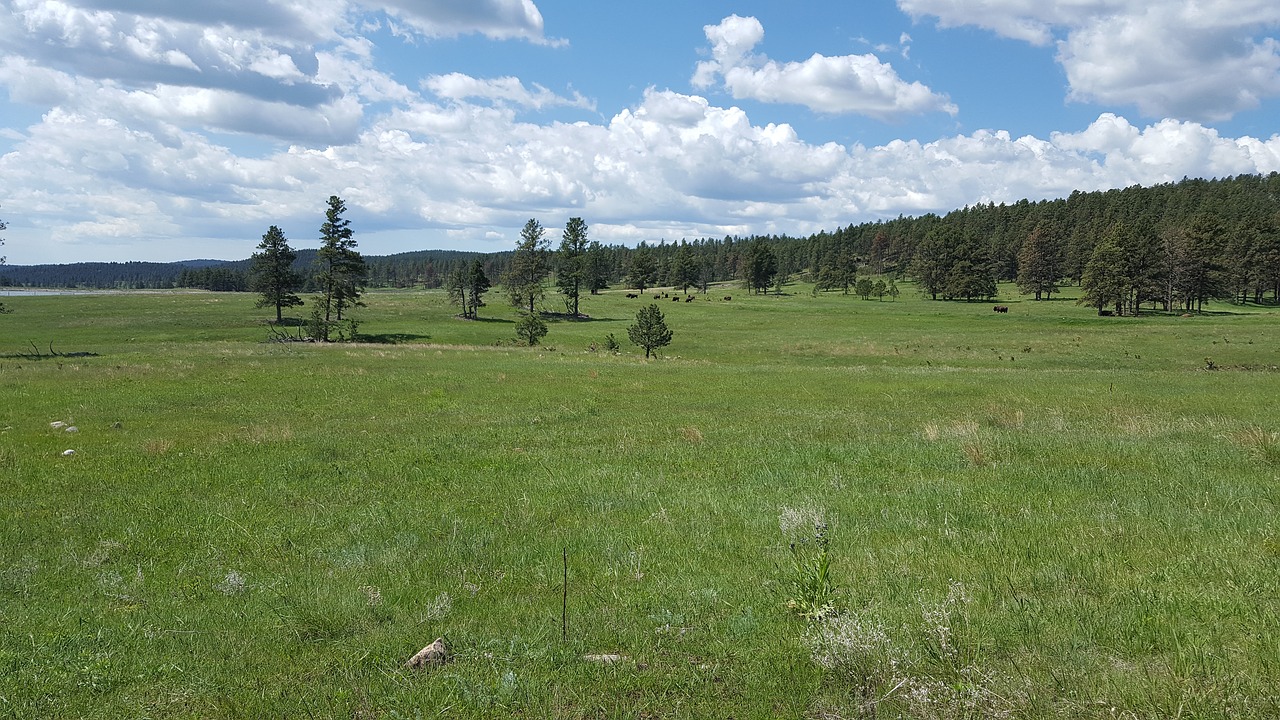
(434, 654)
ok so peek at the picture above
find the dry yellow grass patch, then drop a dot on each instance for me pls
(692, 434)
(1258, 443)
(973, 450)
(964, 430)
(959, 429)
(157, 446)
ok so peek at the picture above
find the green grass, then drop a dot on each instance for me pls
(250, 529)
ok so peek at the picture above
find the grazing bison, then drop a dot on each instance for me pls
(1105, 313)
(688, 298)
(657, 297)
(675, 299)
(727, 298)
(632, 296)
(1001, 308)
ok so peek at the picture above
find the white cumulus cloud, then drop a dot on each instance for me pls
(132, 161)
(1190, 59)
(674, 165)
(860, 84)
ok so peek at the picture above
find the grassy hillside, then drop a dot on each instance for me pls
(1039, 514)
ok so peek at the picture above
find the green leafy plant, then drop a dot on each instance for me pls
(811, 593)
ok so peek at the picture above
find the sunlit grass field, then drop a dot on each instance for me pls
(1038, 514)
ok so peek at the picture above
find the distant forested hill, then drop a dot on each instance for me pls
(133, 275)
(424, 267)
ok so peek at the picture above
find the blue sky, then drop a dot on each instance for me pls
(154, 130)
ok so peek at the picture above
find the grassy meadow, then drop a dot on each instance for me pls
(1042, 514)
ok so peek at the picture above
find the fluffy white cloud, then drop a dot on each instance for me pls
(1191, 59)
(286, 69)
(846, 84)
(673, 166)
(140, 50)
(1150, 58)
(132, 157)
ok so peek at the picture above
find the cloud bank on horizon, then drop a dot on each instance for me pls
(151, 130)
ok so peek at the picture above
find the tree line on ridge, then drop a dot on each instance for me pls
(1171, 247)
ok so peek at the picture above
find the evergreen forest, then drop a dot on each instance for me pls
(1170, 247)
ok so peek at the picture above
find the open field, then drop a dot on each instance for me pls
(1039, 514)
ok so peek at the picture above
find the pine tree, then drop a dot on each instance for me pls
(684, 268)
(1039, 263)
(969, 273)
(845, 271)
(643, 268)
(1199, 266)
(1143, 265)
(531, 329)
(760, 266)
(475, 284)
(969, 281)
(1103, 280)
(340, 270)
(530, 266)
(272, 274)
(571, 276)
(650, 330)
(595, 268)
(466, 285)
(931, 263)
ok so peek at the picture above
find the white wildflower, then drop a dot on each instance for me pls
(233, 584)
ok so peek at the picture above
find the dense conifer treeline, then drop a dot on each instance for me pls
(1172, 246)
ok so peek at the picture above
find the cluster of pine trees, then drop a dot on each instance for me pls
(1171, 246)
(218, 278)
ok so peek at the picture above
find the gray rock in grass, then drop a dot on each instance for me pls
(430, 656)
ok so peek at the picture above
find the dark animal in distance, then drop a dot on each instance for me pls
(688, 298)
(632, 296)
(727, 298)
(1001, 308)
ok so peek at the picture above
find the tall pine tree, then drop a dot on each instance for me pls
(466, 285)
(340, 270)
(272, 274)
(1040, 263)
(571, 276)
(530, 266)
(1104, 281)
(643, 267)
